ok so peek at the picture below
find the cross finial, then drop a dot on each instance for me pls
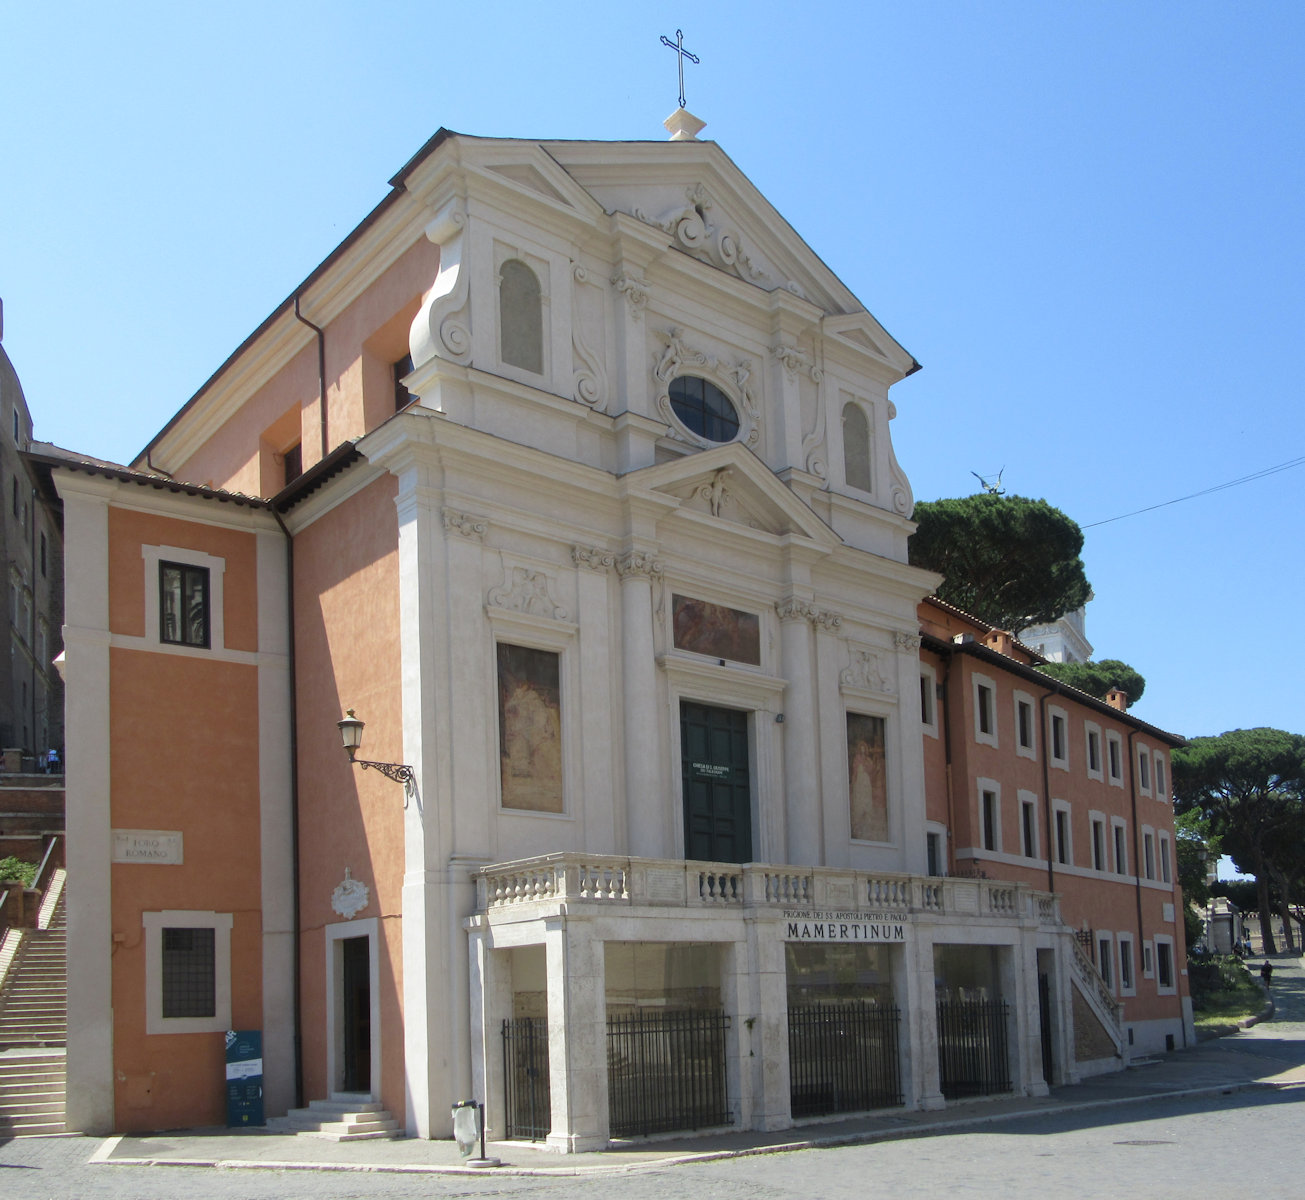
(682, 54)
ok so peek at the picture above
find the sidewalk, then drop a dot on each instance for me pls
(1227, 1064)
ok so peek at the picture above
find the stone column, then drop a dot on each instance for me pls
(577, 1036)
(914, 994)
(645, 792)
(766, 1043)
(491, 1005)
(802, 823)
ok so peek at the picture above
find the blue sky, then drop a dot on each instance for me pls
(1083, 219)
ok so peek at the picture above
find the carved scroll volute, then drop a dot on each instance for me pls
(441, 328)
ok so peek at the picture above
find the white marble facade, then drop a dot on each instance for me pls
(552, 497)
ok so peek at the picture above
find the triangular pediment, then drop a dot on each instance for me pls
(862, 331)
(731, 485)
(527, 175)
(695, 196)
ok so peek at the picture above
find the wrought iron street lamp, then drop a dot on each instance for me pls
(351, 731)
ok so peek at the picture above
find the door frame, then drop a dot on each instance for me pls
(336, 935)
(749, 725)
(761, 697)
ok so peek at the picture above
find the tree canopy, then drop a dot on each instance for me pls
(1249, 786)
(1097, 678)
(1008, 560)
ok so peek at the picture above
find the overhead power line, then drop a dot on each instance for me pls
(1218, 487)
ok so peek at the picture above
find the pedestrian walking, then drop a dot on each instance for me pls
(1266, 972)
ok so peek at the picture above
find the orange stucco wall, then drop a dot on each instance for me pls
(360, 344)
(203, 714)
(1094, 900)
(129, 531)
(347, 642)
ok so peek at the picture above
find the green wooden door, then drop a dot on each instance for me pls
(717, 788)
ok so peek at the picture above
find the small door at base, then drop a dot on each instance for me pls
(356, 989)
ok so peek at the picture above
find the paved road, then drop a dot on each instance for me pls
(1235, 1142)
(1160, 1149)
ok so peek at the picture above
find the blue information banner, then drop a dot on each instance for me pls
(245, 1077)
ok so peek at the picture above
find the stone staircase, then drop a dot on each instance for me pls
(34, 1001)
(345, 1117)
(34, 1022)
(31, 1092)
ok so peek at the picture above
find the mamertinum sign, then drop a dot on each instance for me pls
(809, 925)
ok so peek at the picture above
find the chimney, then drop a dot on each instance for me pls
(999, 640)
(1117, 698)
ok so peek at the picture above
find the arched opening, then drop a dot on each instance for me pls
(856, 448)
(521, 318)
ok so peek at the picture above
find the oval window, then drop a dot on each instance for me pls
(704, 408)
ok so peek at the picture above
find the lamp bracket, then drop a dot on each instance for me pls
(399, 772)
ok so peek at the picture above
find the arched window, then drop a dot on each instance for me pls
(856, 448)
(520, 317)
(704, 408)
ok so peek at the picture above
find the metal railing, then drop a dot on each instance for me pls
(972, 1053)
(842, 1057)
(666, 1071)
(527, 1099)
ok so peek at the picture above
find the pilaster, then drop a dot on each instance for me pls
(644, 775)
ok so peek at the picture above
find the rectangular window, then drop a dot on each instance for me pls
(1160, 791)
(1164, 959)
(183, 604)
(929, 700)
(293, 460)
(991, 838)
(1059, 749)
(1148, 854)
(1121, 849)
(1103, 960)
(933, 852)
(985, 711)
(1125, 964)
(1098, 844)
(1143, 769)
(1063, 848)
(1094, 752)
(1024, 711)
(189, 988)
(1114, 754)
(187, 971)
(530, 728)
(1028, 828)
(1148, 968)
(400, 371)
(1164, 858)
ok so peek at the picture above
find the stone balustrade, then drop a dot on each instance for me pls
(672, 883)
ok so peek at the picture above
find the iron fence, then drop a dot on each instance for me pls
(843, 1057)
(972, 1057)
(666, 1071)
(525, 1078)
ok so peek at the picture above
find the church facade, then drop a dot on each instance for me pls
(570, 474)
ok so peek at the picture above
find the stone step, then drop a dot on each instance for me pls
(21, 1109)
(23, 1087)
(37, 1127)
(342, 1118)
